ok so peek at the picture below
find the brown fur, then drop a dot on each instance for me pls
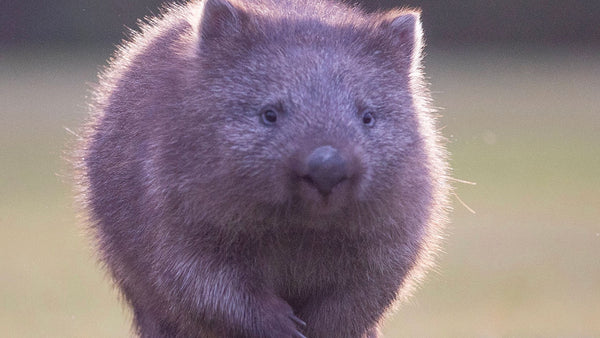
(214, 221)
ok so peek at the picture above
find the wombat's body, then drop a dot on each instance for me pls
(250, 163)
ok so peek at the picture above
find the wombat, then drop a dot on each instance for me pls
(265, 168)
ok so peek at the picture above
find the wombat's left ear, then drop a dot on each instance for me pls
(407, 35)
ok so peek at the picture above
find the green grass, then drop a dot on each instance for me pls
(524, 125)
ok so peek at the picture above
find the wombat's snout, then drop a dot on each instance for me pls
(326, 168)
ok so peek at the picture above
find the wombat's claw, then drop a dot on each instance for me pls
(298, 320)
(299, 335)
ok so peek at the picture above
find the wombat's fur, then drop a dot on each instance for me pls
(253, 162)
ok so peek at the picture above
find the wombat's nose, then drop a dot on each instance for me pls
(326, 168)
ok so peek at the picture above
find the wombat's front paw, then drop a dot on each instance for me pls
(278, 320)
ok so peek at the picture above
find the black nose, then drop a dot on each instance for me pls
(326, 168)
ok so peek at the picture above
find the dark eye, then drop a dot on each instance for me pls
(368, 119)
(269, 117)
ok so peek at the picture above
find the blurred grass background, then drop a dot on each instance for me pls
(523, 122)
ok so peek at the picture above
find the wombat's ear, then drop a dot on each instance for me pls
(219, 19)
(407, 35)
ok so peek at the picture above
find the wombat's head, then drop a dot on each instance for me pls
(318, 111)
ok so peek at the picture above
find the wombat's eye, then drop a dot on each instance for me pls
(368, 119)
(269, 116)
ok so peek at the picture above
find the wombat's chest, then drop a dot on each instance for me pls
(309, 261)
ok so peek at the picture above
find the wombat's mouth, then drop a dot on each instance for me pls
(324, 188)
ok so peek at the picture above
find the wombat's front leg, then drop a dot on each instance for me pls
(270, 318)
(344, 314)
(239, 313)
(205, 297)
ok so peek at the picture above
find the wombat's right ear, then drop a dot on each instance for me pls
(219, 19)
